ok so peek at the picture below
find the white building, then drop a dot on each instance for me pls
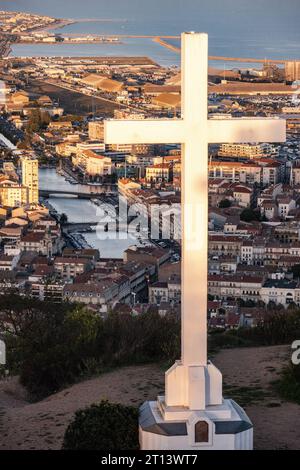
(93, 164)
(165, 292)
(285, 205)
(30, 178)
(159, 173)
(283, 292)
(247, 150)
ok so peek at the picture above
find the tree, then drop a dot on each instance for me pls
(248, 215)
(104, 426)
(45, 118)
(296, 271)
(37, 121)
(63, 219)
(34, 122)
(224, 203)
(51, 344)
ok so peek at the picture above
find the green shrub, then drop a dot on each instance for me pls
(289, 384)
(248, 215)
(105, 426)
(224, 204)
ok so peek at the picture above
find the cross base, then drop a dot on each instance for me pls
(194, 399)
(193, 386)
(227, 427)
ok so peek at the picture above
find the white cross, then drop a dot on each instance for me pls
(194, 131)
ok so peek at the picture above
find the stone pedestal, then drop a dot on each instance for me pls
(217, 424)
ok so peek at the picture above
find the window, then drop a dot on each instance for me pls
(201, 431)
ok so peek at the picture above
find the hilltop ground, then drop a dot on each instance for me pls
(247, 373)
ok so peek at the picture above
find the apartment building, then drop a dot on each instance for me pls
(253, 252)
(283, 292)
(148, 255)
(92, 164)
(220, 245)
(30, 178)
(265, 172)
(159, 173)
(97, 294)
(169, 292)
(38, 242)
(247, 151)
(13, 194)
(125, 187)
(292, 70)
(96, 130)
(46, 290)
(68, 268)
(235, 287)
(243, 196)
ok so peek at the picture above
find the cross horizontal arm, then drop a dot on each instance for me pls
(149, 131)
(252, 130)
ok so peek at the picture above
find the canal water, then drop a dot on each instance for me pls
(82, 211)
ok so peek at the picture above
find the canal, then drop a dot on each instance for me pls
(82, 211)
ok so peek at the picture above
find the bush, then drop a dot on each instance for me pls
(224, 204)
(275, 327)
(125, 339)
(105, 426)
(289, 384)
(226, 340)
(248, 215)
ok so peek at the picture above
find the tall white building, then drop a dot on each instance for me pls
(292, 70)
(30, 178)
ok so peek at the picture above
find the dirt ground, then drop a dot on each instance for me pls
(247, 374)
(72, 102)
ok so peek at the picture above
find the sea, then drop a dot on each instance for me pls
(264, 29)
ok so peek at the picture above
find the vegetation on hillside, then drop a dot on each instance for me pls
(289, 384)
(54, 345)
(278, 326)
(104, 426)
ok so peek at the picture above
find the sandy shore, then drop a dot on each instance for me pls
(248, 374)
(58, 24)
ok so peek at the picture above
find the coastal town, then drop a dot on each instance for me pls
(52, 119)
(149, 230)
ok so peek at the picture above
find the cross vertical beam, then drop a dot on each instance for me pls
(194, 189)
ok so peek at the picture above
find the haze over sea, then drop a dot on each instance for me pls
(240, 28)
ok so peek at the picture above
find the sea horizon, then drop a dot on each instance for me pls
(255, 31)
